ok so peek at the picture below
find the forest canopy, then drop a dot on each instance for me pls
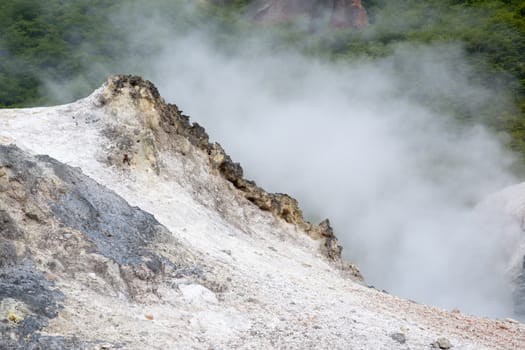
(78, 43)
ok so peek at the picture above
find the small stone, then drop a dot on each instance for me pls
(5, 140)
(196, 293)
(399, 337)
(442, 343)
(13, 317)
(149, 317)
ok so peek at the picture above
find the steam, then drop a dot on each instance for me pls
(370, 144)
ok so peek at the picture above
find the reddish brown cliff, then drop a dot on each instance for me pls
(348, 14)
(341, 13)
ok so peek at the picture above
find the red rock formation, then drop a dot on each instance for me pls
(343, 13)
(348, 14)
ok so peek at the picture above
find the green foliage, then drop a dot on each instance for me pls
(53, 40)
(491, 31)
(79, 42)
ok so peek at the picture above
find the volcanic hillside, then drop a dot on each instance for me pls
(123, 227)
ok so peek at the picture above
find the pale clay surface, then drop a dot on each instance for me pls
(279, 292)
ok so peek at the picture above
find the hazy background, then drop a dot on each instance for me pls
(371, 144)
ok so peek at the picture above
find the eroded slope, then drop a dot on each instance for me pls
(222, 264)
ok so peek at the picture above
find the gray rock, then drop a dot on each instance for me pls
(27, 303)
(8, 228)
(442, 343)
(118, 240)
(399, 337)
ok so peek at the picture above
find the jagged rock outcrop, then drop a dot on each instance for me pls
(342, 13)
(164, 121)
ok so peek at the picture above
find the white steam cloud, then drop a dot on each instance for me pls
(354, 142)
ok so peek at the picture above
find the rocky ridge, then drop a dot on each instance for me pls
(166, 120)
